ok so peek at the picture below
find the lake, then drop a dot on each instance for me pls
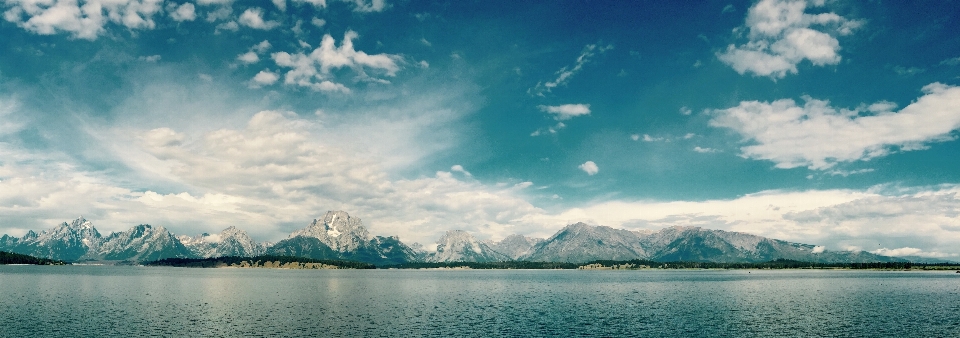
(108, 301)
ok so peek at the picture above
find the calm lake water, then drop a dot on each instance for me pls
(102, 301)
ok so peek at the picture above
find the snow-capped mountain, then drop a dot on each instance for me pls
(461, 246)
(229, 242)
(679, 243)
(140, 243)
(67, 241)
(515, 246)
(346, 236)
(337, 235)
(582, 243)
(337, 230)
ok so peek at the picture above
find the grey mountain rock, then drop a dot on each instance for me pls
(303, 246)
(461, 246)
(583, 243)
(229, 242)
(67, 241)
(347, 236)
(515, 246)
(704, 245)
(337, 230)
(140, 243)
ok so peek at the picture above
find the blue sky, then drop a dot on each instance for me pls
(824, 122)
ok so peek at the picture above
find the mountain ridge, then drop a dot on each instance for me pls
(337, 235)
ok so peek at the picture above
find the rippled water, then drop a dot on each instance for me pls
(101, 301)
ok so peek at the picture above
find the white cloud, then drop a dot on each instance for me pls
(318, 22)
(214, 2)
(951, 62)
(635, 137)
(819, 136)
(566, 111)
(315, 3)
(549, 130)
(459, 168)
(150, 58)
(685, 111)
(248, 57)
(253, 18)
(261, 47)
(781, 35)
(648, 138)
(281, 5)
(228, 26)
(184, 12)
(565, 73)
(368, 6)
(589, 167)
(313, 70)
(85, 21)
(361, 6)
(704, 150)
(908, 251)
(264, 78)
(818, 249)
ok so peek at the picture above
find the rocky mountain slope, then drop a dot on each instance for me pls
(67, 241)
(515, 246)
(583, 243)
(346, 236)
(229, 242)
(461, 246)
(337, 235)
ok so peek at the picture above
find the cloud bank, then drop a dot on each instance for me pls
(818, 136)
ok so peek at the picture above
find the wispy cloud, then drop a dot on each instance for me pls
(566, 73)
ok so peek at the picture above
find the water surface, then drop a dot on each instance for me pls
(103, 301)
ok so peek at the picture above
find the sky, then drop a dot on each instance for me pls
(822, 122)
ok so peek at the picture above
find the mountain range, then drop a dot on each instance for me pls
(337, 235)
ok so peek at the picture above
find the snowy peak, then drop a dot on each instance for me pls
(140, 243)
(461, 246)
(229, 242)
(338, 230)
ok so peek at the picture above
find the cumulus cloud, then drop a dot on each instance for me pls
(566, 111)
(264, 78)
(704, 150)
(313, 70)
(248, 57)
(781, 35)
(184, 12)
(565, 73)
(589, 167)
(818, 136)
(253, 18)
(86, 21)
